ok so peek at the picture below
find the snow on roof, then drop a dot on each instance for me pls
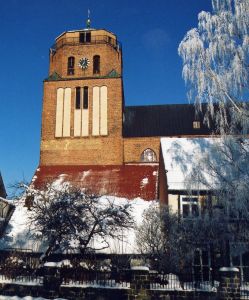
(179, 154)
(126, 181)
(10, 202)
(18, 234)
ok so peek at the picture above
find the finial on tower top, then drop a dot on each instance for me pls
(88, 22)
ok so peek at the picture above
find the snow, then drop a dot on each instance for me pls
(230, 269)
(179, 155)
(85, 174)
(59, 264)
(21, 282)
(111, 285)
(6, 200)
(144, 182)
(34, 178)
(26, 298)
(19, 235)
(140, 268)
(127, 245)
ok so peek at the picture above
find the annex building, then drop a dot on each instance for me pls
(89, 136)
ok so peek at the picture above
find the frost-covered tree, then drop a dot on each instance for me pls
(67, 218)
(224, 171)
(216, 69)
(216, 63)
(167, 239)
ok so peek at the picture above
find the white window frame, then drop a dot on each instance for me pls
(190, 203)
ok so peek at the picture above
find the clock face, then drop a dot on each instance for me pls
(84, 63)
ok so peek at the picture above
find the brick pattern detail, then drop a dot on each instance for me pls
(90, 150)
(140, 285)
(133, 148)
(112, 149)
(229, 285)
(110, 59)
(110, 55)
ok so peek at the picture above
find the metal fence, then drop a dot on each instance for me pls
(23, 270)
(79, 277)
(185, 281)
(22, 280)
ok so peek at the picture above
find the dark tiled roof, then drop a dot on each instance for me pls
(162, 120)
(2, 188)
(129, 181)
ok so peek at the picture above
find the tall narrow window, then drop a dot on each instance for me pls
(88, 37)
(96, 64)
(85, 97)
(82, 37)
(77, 99)
(70, 65)
(85, 37)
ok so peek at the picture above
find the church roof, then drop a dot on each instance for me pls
(128, 181)
(162, 120)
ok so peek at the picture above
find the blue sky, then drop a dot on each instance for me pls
(150, 32)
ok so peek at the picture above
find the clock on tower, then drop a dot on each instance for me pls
(83, 100)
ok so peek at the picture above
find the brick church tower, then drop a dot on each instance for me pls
(83, 100)
(89, 137)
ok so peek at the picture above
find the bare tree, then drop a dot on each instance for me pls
(69, 219)
(166, 238)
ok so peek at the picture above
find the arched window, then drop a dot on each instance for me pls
(96, 64)
(70, 65)
(148, 155)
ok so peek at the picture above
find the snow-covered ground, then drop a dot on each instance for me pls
(26, 298)
(22, 280)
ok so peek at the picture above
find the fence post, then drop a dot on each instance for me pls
(140, 283)
(229, 287)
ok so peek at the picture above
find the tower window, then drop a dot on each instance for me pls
(85, 37)
(85, 97)
(77, 99)
(148, 155)
(70, 65)
(96, 64)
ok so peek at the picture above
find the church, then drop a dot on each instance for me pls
(89, 137)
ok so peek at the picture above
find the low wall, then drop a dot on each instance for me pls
(92, 293)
